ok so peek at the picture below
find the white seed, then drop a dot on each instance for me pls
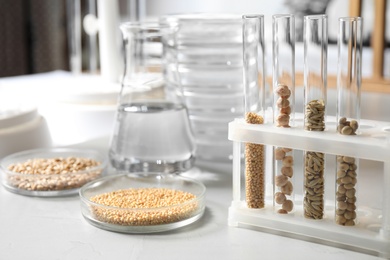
(288, 161)
(281, 180)
(280, 198)
(288, 205)
(287, 171)
(287, 189)
(279, 153)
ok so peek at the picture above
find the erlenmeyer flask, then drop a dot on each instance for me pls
(152, 130)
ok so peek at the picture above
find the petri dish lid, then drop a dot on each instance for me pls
(202, 17)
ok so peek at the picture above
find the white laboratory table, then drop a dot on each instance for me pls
(53, 228)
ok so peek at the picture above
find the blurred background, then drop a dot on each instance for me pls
(46, 35)
(65, 57)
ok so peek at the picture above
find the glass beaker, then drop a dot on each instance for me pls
(152, 130)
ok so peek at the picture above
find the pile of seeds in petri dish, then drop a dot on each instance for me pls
(283, 180)
(52, 174)
(254, 168)
(144, 206)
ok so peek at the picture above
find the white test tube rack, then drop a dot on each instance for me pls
(371, 234)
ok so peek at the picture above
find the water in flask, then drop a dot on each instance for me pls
(154, 136)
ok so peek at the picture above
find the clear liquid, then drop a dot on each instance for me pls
(152, 137)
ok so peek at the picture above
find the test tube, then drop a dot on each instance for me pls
(283, 30)
(253, 71)
(315, 39)
(348, 114)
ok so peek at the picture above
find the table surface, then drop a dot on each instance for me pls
(53, 228)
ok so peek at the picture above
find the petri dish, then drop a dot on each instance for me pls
(51, 172)
(137, 219)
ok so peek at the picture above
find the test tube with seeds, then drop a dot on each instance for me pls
(253, 59)
(348, 115)
(315, 38)
(283, 30)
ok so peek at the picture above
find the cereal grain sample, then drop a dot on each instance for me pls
(51, 174)
(254, 168)
(346, 191)
(315, 116)
(346, 179)
(314, 185)
(144, 206)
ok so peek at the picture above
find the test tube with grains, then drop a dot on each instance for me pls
(283, 30)
(253, 60)
(346, 180)
(348, 115)
(315, 38)
(254, 168)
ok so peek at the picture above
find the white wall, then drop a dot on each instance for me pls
(157, 7)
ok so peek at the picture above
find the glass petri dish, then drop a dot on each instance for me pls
(67, 170)
(142, 220)
(207, 53)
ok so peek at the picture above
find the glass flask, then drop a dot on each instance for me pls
(152, 131)
(349, 78)
(315, 38)
(283, 31)
(254, 78)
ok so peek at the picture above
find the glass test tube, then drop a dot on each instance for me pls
(315, 38)
(348, 114)
(283, 30)
(253, 61)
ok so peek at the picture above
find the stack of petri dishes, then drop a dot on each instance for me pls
(207, 50)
